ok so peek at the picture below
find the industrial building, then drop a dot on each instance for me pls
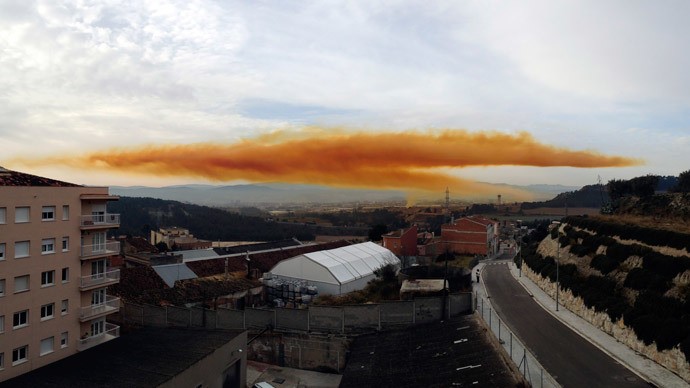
(335, 271)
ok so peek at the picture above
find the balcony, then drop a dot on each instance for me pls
(100, 221)
(111, 332)
(100, 250)
(111, 305)
(99, 280)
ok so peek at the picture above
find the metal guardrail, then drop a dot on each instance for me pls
(111, 332)
(108, 248)
(527, 363)
(111, 305)
(100, 220)
(104, 278)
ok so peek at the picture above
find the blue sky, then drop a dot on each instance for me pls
(607, 76)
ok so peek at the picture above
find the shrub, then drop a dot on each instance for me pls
(604, 264)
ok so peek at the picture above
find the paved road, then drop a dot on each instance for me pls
(569, 358)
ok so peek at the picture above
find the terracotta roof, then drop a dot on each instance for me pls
(15, 178)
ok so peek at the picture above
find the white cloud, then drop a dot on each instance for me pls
(93, 74)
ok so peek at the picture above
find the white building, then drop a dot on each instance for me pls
(337, 271)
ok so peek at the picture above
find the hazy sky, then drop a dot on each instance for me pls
(84, 76)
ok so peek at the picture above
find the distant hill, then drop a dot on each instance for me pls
(591, 196)
(279, 193)
(141, 215)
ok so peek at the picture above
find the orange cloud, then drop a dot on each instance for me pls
(384, 160)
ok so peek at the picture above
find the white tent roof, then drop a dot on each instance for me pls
(344, 264)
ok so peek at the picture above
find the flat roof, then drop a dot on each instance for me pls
(145, 357)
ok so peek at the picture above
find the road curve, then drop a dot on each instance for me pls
(569, 358)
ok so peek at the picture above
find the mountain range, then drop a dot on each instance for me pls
(281, 193)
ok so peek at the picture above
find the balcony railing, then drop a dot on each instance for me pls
(100, 279)
(100, 220)
(111, 332)
(108, 248)
(111, 305)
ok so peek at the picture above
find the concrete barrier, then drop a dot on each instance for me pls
(327, 319)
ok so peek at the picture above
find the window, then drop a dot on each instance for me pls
(21, 214)
(47, 345)
(48, 213)
(65, 244)
(47, 311)
(2, 287)
(65, 275)
(21, 249)
(20, 319)
(97, 327)
(2, 251)
(2, 361)
(47, 246)
(20, 354)
(98, 297)
(64, 307)
(21, 283)
(3, 215)
(2, 324)
(64, 338)
(65, 212)
(47, 278)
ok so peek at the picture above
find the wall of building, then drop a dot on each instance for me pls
(229, 359)
(65, 224)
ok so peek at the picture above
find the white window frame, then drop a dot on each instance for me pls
(23, 322)
(47, 246)
(3, 215)
(64, 339)
(3, 250)
(21, 279)
(64, 275)
(65, 212)
(64, 307)
(65, 243)
(47, 346)
(20, 355)
(21, 253)
(48, 278)
(3, 287)
(97, 327)
(22, 214)
(48, 213)
(47, 311)
(2, 324)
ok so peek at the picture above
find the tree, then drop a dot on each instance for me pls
(376, 232)
(683, 182)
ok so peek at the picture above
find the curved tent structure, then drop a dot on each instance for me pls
(337, 271)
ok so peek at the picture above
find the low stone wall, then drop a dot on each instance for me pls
(671, 359)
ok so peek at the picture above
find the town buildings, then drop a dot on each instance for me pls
(402, 242)
(54, 270)
(471, 235)
(178, 239)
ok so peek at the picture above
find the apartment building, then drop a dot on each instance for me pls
(53, 270)
(471, 235)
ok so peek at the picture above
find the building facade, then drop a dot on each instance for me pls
(53, 270)
(402, 242)
(471, 235)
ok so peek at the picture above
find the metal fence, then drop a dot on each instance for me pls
(325, 319)
(527, 363)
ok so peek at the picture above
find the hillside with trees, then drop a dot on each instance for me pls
(141, 215)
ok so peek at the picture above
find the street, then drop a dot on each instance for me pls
(569, 358)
